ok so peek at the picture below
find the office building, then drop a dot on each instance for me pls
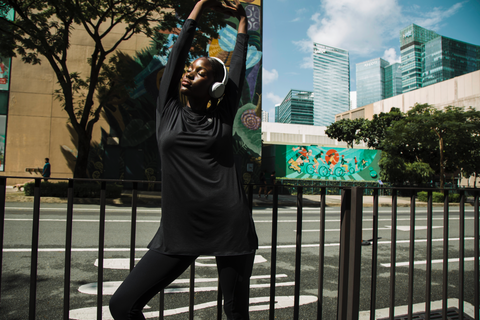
(393, 80)
(331, 83)
(429, 58)
(446, 58)
(264, 116)
(412, 40)
(370, 81)
(296, 108)
(377, 80)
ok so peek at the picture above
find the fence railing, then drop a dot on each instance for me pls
(352, 216)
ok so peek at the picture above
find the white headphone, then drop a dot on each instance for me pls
(218, 88)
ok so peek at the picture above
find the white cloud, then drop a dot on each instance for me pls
(274, 98)
(307, 62)
(364, 27)
(391, 55)
(269, 76)
(433, 19)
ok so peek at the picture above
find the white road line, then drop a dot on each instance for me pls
(255, 220)
(338, 230)
(128, 209)
(424, 262)
(256, 305)
(287, 246)
(124, 263)
(418, 307)
(83, 220)
(109, 287)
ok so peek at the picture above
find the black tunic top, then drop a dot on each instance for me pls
(204, 207)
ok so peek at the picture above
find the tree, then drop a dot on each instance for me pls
(41, 31)
(375, 131)
(347, 130)
(443, 139)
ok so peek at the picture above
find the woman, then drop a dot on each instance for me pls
(204, 207)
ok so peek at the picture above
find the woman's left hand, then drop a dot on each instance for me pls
(234, 9)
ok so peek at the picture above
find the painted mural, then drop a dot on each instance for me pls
(129, 149)
(326, 163)
(4, 97)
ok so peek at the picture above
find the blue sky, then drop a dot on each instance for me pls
(367, 29)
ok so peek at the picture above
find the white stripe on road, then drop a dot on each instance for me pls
(287, 246)
(86, 209)
(281, 302)
(418, 307)
(109, 287)
(424, 262)
(124, 264)
(401, 228)
(255, 220)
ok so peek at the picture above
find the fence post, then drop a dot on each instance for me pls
(3, 190)
(350, 254)
(34, 250)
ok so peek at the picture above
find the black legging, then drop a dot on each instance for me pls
(156, 270)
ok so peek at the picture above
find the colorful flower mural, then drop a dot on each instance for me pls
(327, 163)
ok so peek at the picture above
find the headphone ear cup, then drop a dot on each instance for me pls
(217, 90)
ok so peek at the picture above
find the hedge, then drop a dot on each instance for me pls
(80, 190)
(438, 197)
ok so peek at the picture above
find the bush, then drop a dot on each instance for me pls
(438, 197)
(80, 190)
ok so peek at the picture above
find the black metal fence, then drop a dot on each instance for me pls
(349, 268)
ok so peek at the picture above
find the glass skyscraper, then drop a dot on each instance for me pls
(296, 108)
(370, 81)
(331, 83)
(412, 39)
(393, 80)
(446, 58)
(428, 58)
(377, 80)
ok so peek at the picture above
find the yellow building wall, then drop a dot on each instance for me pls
(37, 126)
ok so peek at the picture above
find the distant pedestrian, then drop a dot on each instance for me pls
(273, 181)
(263, 185)
(47, 168)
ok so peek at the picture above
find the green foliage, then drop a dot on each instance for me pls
(347, 130)
(443, 139)
(416, 145)
(419, 172)
(80, 190)
(438, 197)
(376, 130)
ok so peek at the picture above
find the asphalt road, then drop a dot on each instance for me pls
(16, 262)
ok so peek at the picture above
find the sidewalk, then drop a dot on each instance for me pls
(155, 198)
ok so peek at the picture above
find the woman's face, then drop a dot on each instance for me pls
(198, 79)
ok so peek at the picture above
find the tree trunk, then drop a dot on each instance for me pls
(83, 149)
(442, 167)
